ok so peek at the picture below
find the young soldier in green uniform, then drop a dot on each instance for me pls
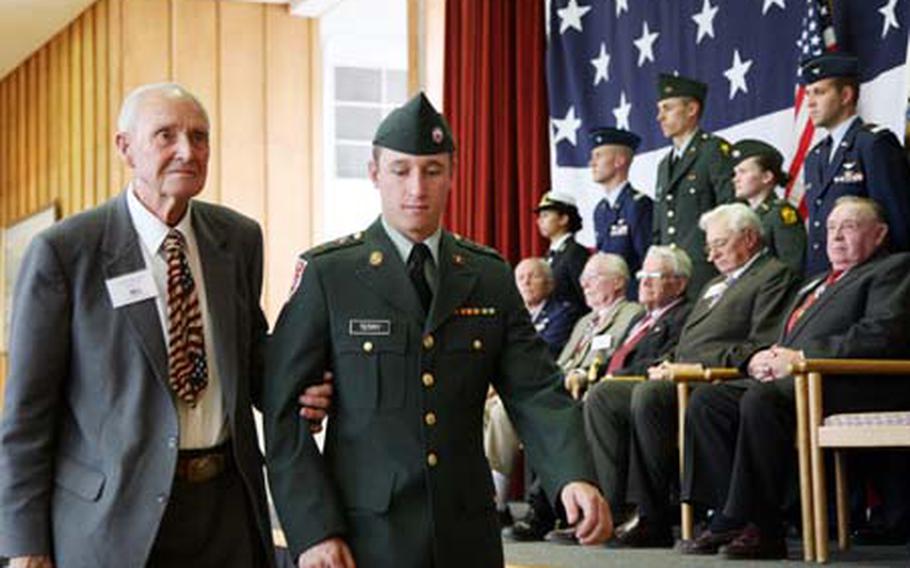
(693, 178)
(416, 324)
(756, 172)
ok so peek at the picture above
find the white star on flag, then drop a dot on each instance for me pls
(622, 111)
(571, 15)
(567, 128)
(737, 74)
(645, 44)
(621, 6)
(601, 65)
(768, 3)
(889, 18)
(705, 21)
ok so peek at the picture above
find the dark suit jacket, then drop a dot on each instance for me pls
(748, 315)
(88, 443)
(700, 181)
(659, 343)
(567, 264)
(870, 162)
(404, 476)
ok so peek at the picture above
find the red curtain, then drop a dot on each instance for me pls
(495, 99)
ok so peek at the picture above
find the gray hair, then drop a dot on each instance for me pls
(737, 217)
(674, 257)
(613, 263)
(873, 208)
(541, 264)
(126, 120)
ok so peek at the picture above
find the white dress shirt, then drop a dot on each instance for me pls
(205, 424)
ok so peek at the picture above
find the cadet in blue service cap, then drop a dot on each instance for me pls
(623, 218)
(694, 177)
(558, 220)
(757, 171)
(417, 324)
(855, 158)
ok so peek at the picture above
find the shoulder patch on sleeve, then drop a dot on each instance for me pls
(298, 274)
(788, 215)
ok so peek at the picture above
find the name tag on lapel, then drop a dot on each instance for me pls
(131, 288)
(369, 327)
(602, 342)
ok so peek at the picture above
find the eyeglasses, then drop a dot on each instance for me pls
(716, 244)
(642, 275)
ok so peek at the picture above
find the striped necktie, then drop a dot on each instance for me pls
(187, 367)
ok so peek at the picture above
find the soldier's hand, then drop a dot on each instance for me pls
(316, 401)
(585, 506)
(575, 382)
(330, 553)
(31, 562)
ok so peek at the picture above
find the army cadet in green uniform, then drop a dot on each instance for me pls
(756, 172)
(693, 178)
(416, 323)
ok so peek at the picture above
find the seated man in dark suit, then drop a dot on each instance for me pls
(740, 435)
(736, 312)
(652, 338)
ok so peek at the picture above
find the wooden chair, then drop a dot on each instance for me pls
(839, 431)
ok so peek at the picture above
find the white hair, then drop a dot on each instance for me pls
(613, 263)
(541, 264)
(126, 120)
(674, 257)
(736, 217)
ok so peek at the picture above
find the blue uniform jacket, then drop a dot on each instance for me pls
(554, 323)
(869, 162)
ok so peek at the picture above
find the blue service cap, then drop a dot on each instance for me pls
(610, 135)
(829, 65)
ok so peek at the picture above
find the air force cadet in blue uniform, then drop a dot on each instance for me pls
(622, 219)
(854, 159)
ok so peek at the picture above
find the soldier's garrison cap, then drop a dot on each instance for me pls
(829, 65)
(749, 148)
(677, 86)
(416, 128)
(610, 135)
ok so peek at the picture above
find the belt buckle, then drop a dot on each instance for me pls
(204, 468)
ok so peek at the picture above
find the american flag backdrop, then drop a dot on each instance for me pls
(603, 57)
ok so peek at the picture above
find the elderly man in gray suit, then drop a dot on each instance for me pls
(128, 436)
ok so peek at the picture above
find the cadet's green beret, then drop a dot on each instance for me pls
(415, 128)
(773, 159)
(677, 86)
(829, 65)
(610, 135)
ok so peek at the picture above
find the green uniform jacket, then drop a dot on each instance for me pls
(404, 478)
(700, 181)
(785, 233)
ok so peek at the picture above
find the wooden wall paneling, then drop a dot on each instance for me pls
(102, 149)
(289, 192)
(146, 42)
(89, 119)
(196, 68)
(76, 120)
(21, 188)
(31, 138)
(242, 121)
(5, 143)
(41, 99)
(115, 90)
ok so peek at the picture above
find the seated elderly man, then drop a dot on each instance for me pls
(736, 312)
(594, 338)
(740, 435)
(552, 318)
(651, 339)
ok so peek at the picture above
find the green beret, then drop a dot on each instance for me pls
(677, 86)
(748, 148)
(415, 128)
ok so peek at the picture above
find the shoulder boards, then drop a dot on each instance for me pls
(874, 128)
(788, 214)
(337, 244)
(476, 247)
(637, 195)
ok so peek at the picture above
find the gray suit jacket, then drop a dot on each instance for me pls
(615, 325)
(746, 316)
(89, 438)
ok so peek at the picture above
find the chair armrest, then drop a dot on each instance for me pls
(852, 367)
